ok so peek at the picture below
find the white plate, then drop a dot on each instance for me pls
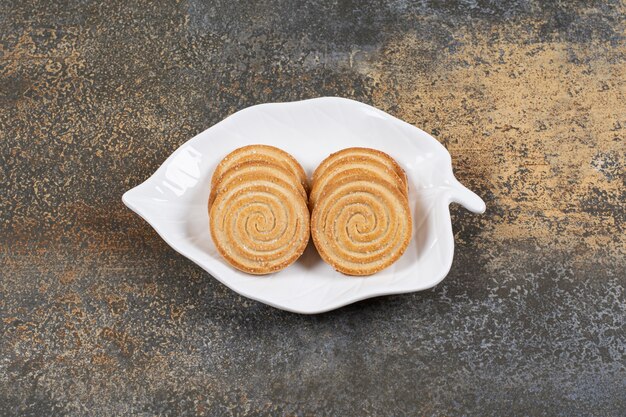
(174, 199)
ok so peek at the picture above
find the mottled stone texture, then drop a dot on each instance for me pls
(100, 317)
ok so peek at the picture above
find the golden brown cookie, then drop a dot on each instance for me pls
(264, 153)
(349, 165)
(380, 156)
(247, 171)
(260, 222)
(361, 221)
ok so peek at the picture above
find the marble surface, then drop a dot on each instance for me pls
(98, 316)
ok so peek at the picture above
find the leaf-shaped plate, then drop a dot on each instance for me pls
(174, 199)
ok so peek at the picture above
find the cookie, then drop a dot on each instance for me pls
(258, 215)
(380, 156)
(247, 170)
(361, 221)
(349, 165)
(264, 153)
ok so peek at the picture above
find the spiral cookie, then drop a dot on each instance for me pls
(263, 153)
(361, 221)
(350, 165)
(259, 219)
(372, 154)
(246, 171)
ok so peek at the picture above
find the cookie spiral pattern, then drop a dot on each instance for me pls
(368, 153)
(260, 226)
(361, 225)
(354, 165)
(250, 170)
(259, 219)
(263, 153)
